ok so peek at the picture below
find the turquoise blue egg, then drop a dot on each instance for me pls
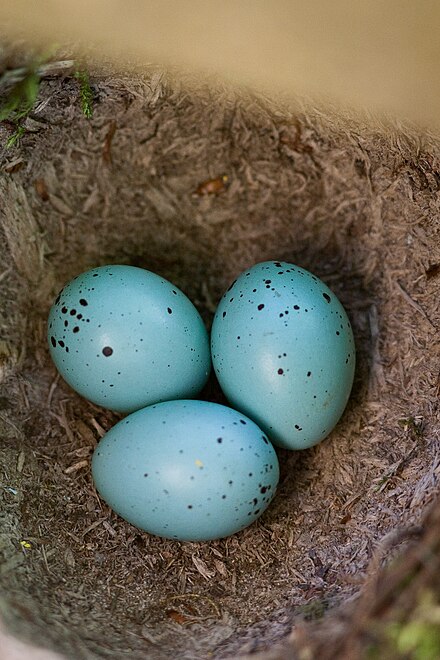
(125, 338)
(283, 352)
(187, 470)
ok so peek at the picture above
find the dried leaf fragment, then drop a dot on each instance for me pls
(41, 189)
(178, 617)
(213, 186)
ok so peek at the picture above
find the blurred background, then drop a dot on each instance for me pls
(378, 56)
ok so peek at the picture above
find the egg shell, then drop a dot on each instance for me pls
(124, 337)
(187, 470)
(283, 352)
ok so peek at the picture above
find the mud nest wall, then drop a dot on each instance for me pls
(356, 204)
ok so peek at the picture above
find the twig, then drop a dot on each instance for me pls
(44, 71)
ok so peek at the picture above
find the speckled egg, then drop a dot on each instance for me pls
(124, 338)
(283, 351)
(188, 470)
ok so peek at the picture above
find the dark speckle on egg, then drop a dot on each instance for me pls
(316, 340)
(114, 330)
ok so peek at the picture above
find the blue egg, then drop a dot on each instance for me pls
(283, 352)
(187, 470)
(124, 338)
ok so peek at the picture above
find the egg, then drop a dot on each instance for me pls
(124, 338)
(283, 352)
(188, 470)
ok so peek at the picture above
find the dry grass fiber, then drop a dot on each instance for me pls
(357, 204)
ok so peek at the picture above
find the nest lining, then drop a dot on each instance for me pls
(355, 204)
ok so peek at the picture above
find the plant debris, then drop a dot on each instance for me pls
(213, 186)
(342, 199)
(41, 189)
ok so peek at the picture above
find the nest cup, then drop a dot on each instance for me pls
(355, 203)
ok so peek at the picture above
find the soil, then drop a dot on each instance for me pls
(355, 202)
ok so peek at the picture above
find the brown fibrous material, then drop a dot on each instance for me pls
(355, 202)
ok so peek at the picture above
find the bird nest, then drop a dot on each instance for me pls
(197, 182)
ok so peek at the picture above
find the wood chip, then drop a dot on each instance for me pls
(202, 568)
(98, 427)
(20, 461)
(91, 200)
(76, 467)
(62, 67)
(221, 568)
(60, 206)
(93, 526)
(14, 165)
(34, 126)
(109, 528)
(69, 558)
